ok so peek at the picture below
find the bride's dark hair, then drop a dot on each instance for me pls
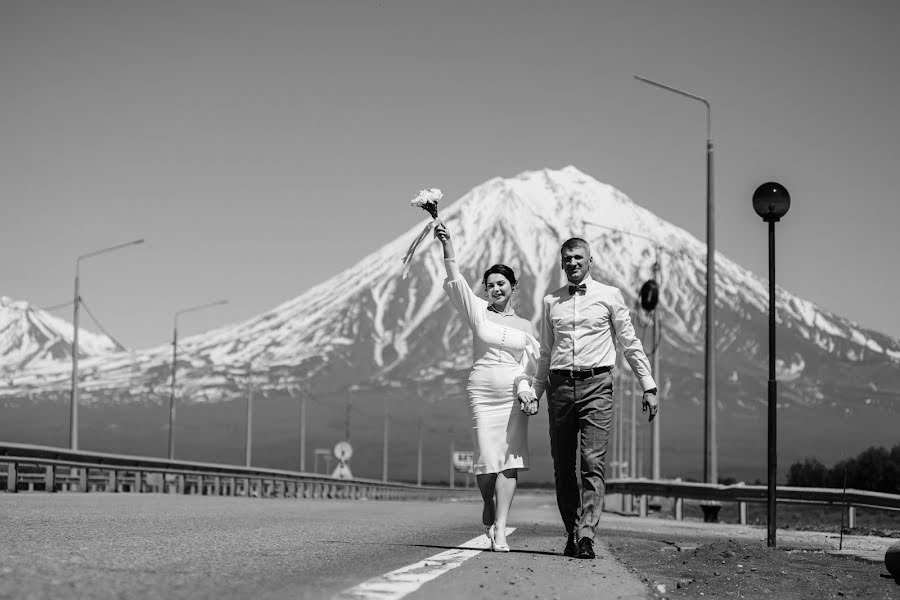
(500, 270)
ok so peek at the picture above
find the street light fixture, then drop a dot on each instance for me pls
(73, 399)
(174, 357)
(710, 451)
(771, 201)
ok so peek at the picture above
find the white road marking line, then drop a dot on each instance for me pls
(405, 580)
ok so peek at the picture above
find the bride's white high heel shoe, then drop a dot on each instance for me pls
(496, 547)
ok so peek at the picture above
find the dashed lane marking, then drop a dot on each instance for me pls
(405, 580)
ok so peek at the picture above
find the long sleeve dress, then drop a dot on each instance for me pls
(503, 360)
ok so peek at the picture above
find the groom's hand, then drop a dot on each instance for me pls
(528, 404)
(650, 403)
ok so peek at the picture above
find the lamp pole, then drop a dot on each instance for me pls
(303, 429)
(657, 335)
(384, 451)
(419, 453)
(771, 201)
(73, 398)
(710, 451)
(248, 436)
(178, 313)
(657, 324)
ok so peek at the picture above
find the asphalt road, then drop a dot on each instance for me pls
(71, 545)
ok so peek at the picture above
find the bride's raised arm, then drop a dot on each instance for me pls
(464, 299)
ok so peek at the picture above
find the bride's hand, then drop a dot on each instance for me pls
(528, 404)
(440, 231)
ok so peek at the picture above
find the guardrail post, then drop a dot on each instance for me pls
(643, 505)
(742, 512)
(138, 486)
(83, 480)
(216, 486)
(50, 478)
(679, 509)
(113, 485)
(12, 477)
(851, 517)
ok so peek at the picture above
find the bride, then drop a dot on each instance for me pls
(504, 352)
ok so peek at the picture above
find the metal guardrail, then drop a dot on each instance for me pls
(60, 469)
(712, 495)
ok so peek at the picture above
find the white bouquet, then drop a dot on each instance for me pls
(427, 200)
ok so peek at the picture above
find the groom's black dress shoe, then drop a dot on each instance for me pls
(585, 548)
(571, 547)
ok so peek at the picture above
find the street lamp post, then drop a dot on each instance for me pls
(771, 201)
(657, 334)
(73, 399)
(174, 371)
(248, 435)
(384, 450)
(710, 452)
(303, 430)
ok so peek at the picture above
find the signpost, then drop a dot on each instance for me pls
(343, 451)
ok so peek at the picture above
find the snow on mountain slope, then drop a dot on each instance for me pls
(31, 337)
(368, 324)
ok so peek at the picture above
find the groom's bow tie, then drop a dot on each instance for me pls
(577, 289)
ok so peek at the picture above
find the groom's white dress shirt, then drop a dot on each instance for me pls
(578, 331)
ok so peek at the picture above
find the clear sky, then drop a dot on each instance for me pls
(260, 147)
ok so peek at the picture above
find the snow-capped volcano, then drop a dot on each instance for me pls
(368, 328)
(31, 337)
(386, 327)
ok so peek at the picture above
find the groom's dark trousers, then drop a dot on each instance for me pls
(580, 406)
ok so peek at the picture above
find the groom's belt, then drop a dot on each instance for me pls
(580, 373)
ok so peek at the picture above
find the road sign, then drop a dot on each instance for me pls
(464, 461)
(343, 451)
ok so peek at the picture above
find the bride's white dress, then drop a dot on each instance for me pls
(503, 357)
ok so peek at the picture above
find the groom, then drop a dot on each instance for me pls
(580, 323)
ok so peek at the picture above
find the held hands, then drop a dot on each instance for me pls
(528, 404)
(650, 403)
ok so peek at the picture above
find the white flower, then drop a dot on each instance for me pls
(428, 200)
(429, 195)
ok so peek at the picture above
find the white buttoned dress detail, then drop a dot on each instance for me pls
(502, 358)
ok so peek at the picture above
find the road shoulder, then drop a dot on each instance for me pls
(536, 568)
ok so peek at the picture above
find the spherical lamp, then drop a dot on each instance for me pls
(771, 201)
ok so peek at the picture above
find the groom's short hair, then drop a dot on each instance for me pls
(572, 243)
